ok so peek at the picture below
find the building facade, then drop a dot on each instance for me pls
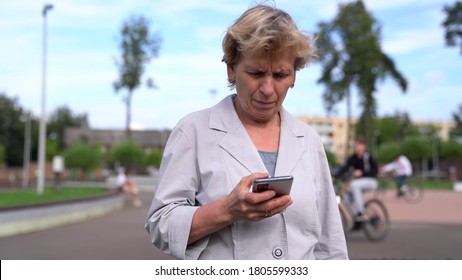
(333, 131)
(148, 139)
(334, 134)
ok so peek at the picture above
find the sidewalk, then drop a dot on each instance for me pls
(436, 207)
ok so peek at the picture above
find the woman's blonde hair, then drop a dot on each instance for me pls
(266, 28)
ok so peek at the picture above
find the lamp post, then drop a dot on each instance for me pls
(43, 125)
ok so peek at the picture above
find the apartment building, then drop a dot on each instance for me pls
(333, 131)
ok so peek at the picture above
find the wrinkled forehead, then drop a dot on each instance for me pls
(264, 58)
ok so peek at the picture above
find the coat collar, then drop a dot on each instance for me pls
(238, 144)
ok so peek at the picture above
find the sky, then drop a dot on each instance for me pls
(82, 47)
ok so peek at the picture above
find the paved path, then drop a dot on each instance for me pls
(118, 235)
(431, 229)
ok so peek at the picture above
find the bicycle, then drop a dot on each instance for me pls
(376, 223)
(412, 190)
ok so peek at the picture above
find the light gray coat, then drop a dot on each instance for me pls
(206, 156)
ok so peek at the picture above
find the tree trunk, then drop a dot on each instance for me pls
(348, 130)
(128, 101)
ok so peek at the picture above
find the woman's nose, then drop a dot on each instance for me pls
(267, 86)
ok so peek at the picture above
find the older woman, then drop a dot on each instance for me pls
(202, 207)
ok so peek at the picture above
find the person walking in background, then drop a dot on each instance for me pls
(402, 168)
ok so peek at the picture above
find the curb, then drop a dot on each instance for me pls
(29, 219)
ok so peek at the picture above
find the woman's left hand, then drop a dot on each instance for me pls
(244, 205)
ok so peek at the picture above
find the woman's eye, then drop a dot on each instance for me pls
(281, 75)
(255, 74)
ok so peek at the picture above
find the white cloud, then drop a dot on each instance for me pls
(394, 4)
(409, 40)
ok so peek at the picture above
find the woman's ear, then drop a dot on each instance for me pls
(295, 78)
(231, 73)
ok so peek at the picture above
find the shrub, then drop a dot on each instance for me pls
(128, 154)
(331, 158)
(451, 150)
(82, 156)
(388, 152)
(416, 148)
(153, 158)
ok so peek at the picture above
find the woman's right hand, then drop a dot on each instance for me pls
(244, 205)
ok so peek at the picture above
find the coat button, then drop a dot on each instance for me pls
(277, 253)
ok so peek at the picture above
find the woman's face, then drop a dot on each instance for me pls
(262, 82)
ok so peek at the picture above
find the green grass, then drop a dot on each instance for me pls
(437, 185)
(429, 185)
(29, 196)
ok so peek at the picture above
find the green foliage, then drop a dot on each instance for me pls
(451, 150)
(153, 158)
(416, 148)
(11, 130)
(128, 154)
(350, 54)
(388, 152)
(457, 117)
(331, 158)
(2, 154)
(61, 118)
(51, 150)
(82, 156)
(138, 46)
(394, 128)
(453, 24)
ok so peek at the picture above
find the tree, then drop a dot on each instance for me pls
(350, 54)
(388, 152)
(153, 158)
(83, 157)
(456, 132)
(451, 150)
(416, 148)
(453, 24)
(128, 154)
(331, 158)
(392, 128)
(11, 130)
(2, 154)
(138, 46)
(61, 118)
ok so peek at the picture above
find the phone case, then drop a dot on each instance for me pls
(281, 184)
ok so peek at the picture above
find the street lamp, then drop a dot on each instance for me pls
(43, 125)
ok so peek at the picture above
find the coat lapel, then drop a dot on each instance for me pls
(239, 145)
(291, 145)
(235, 139)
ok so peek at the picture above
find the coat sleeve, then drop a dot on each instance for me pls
(170, 215)
(332, 244)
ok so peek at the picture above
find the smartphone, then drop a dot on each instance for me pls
(280, 184)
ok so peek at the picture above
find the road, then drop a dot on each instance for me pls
(431, 230)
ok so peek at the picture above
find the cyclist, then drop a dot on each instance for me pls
(364, 176)
(402, 168)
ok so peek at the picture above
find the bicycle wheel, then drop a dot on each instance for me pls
(377, 223)
(413, 192)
